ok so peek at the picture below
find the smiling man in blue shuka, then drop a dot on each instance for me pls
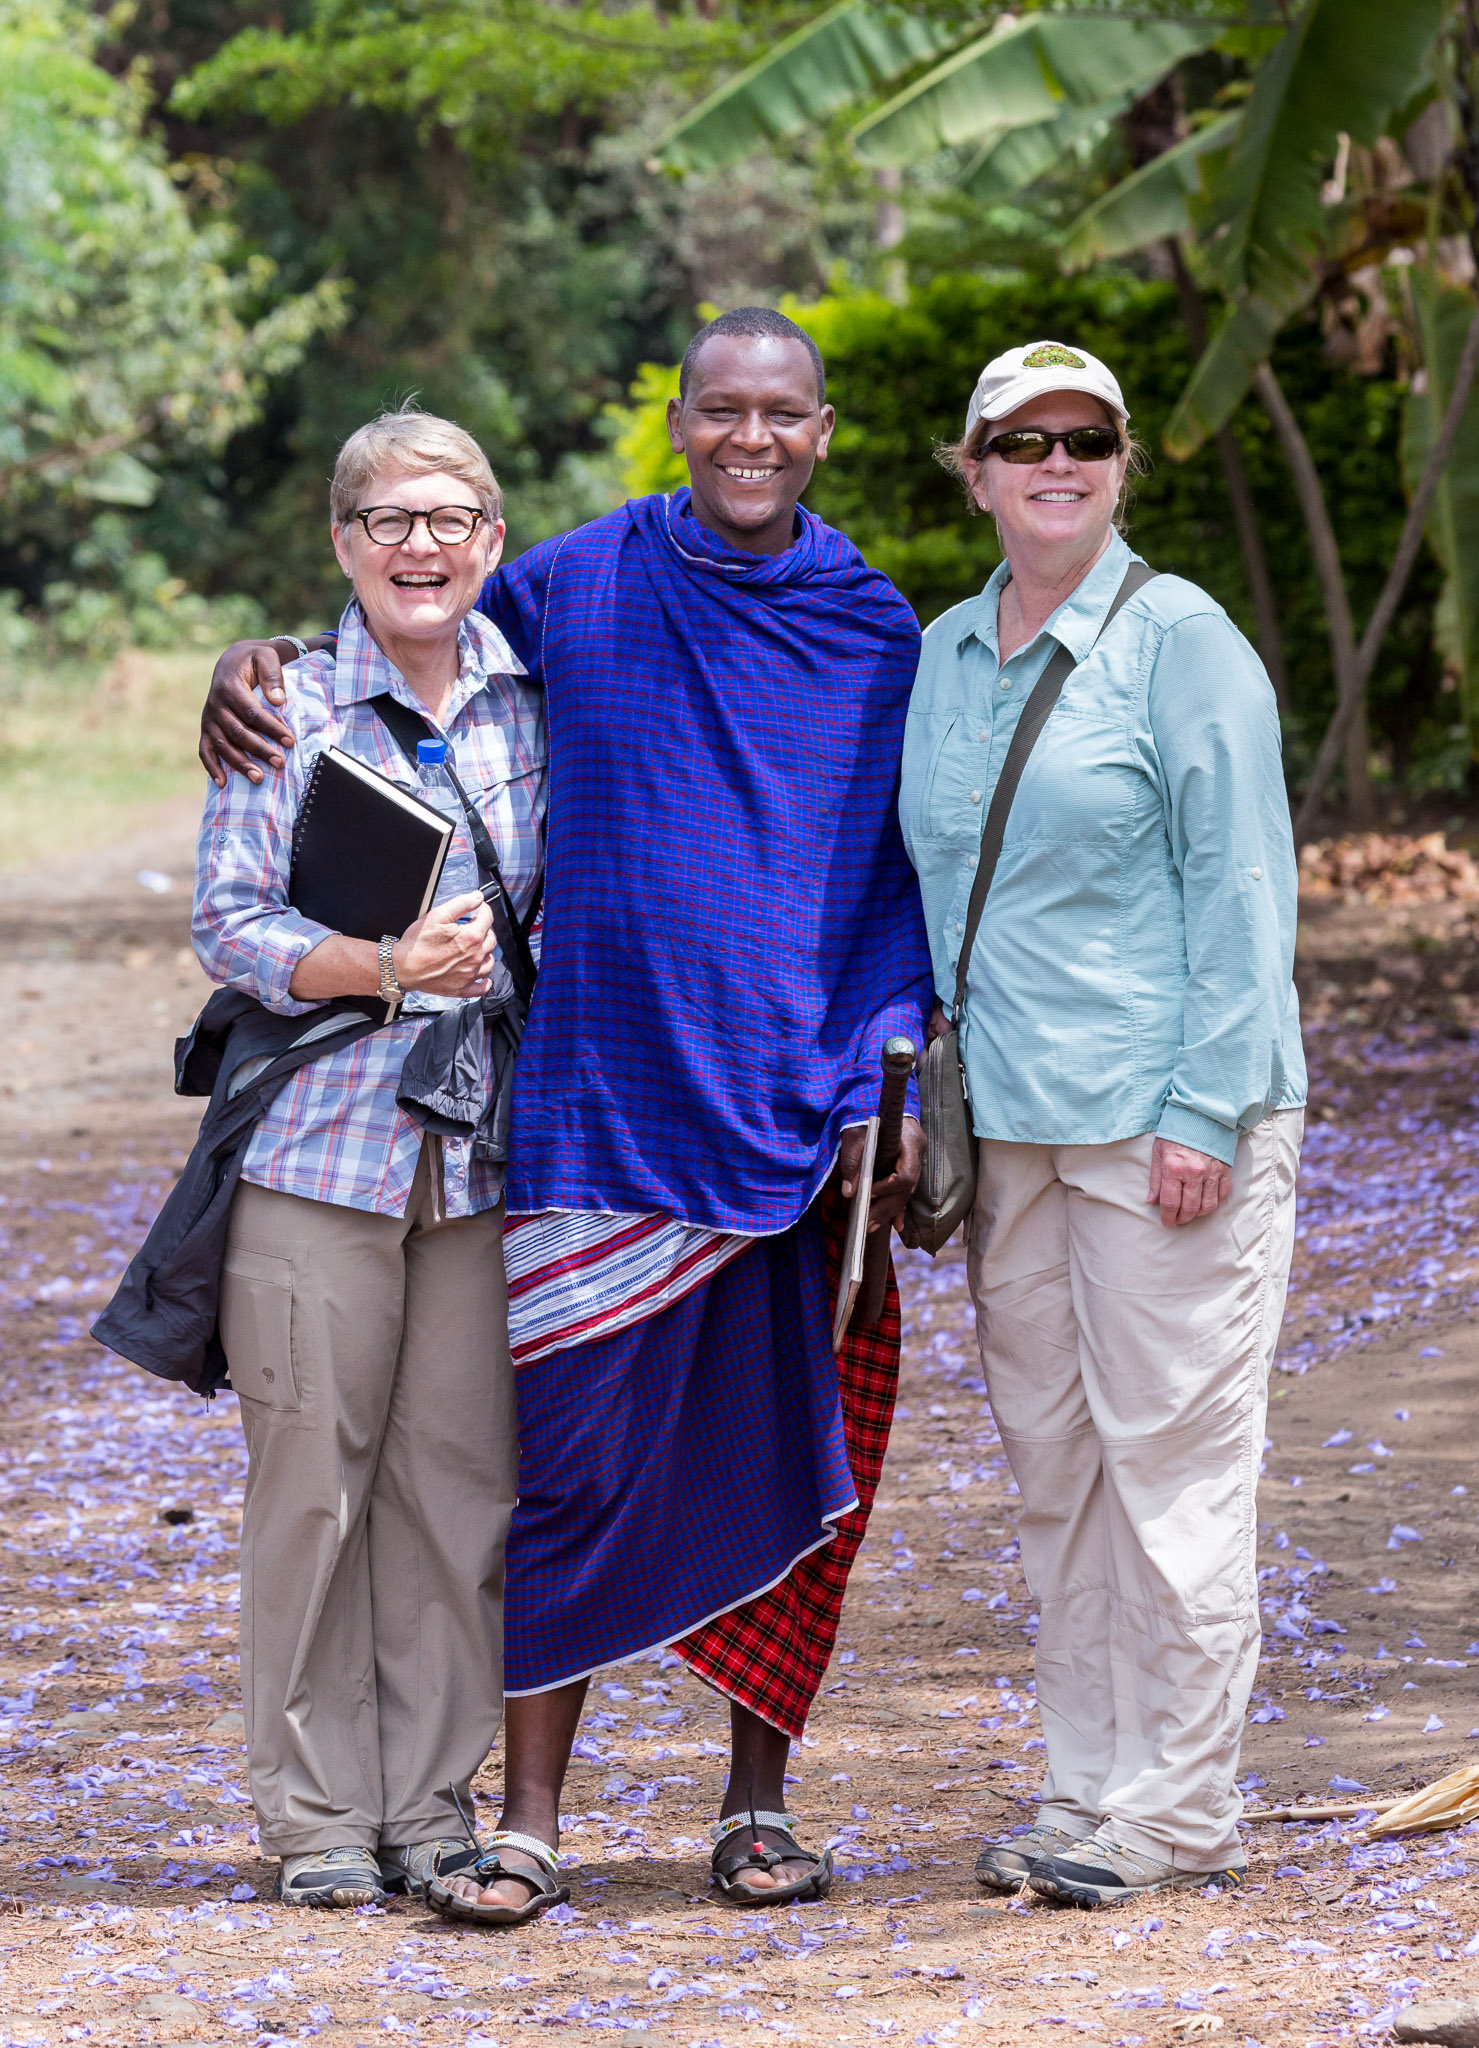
(731, 930)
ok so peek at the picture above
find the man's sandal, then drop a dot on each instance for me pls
(762, 1841)
(545, 1888)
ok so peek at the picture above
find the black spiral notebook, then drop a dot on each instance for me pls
(367, 855)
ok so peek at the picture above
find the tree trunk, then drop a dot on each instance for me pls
(1352, 697)
(888, 229)
(1156, 121)
(888, 226)
(1240, 494)
(1332, 586)
(1360, 804)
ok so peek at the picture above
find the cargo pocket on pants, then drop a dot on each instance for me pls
(257, 1328)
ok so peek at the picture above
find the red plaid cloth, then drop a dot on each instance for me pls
(771, 1654)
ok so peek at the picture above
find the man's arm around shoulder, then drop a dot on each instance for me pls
(237, 729)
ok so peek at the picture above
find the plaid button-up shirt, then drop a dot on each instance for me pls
(335, 1132)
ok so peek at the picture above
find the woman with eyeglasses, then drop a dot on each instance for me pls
(1129, 1039)
(363, 1306)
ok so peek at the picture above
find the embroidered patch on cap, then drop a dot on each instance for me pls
(1052, 356)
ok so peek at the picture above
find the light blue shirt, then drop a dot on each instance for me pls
(1134, 967)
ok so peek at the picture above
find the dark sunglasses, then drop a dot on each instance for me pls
(1034, 444)
(389, 525)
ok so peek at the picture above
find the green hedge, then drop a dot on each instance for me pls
(900, 376)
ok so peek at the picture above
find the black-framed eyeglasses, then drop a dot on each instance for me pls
(389, 525)
(1035, 444)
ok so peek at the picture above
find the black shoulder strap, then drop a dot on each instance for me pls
(406, 727)
(1035, 713)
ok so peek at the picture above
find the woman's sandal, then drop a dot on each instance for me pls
(545, 1889)
(762, 1841)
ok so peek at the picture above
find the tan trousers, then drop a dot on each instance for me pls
(370, 1355)
(1127, 1368)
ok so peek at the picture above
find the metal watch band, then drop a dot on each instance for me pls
(390, 989)
(293, 641)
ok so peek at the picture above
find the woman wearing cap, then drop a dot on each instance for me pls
(1130, 1040)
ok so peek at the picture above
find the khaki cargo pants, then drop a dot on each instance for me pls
(1127, 1367)
(370, 1357)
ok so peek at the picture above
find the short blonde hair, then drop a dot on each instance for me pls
(412, 443)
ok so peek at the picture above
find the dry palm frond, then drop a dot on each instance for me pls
(1446, 1804)
(1340, 1809)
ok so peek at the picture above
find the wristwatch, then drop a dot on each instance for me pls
(390, 989)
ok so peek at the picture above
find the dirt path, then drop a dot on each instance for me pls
(138, 1909)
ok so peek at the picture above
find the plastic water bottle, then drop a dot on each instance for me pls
(460, 869)
(434, 787)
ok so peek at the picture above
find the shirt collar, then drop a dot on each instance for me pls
(362, 670)
(1077, 622)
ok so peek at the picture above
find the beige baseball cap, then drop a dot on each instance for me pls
(1012, 379)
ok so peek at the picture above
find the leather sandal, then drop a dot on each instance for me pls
(763, 1841)
(545, 1889)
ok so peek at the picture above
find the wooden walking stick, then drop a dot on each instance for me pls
(898, 1064)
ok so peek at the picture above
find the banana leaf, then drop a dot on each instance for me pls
(1443, 315)
(1014, 158)
(1152, 203)
(1344, 67)
(1025, 72)
(847, 54)
(1220, 381)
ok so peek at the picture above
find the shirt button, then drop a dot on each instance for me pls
(1256, 873)
(1006, 682)
(985, 736)
(975, 796)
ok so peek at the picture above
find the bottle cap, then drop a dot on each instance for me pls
(430, 753)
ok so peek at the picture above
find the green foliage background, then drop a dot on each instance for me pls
(135, 338)
(234, 232)
(229, 243)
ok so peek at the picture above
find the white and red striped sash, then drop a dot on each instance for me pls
(576, 1275)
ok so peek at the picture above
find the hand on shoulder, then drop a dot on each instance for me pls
(237, 729)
